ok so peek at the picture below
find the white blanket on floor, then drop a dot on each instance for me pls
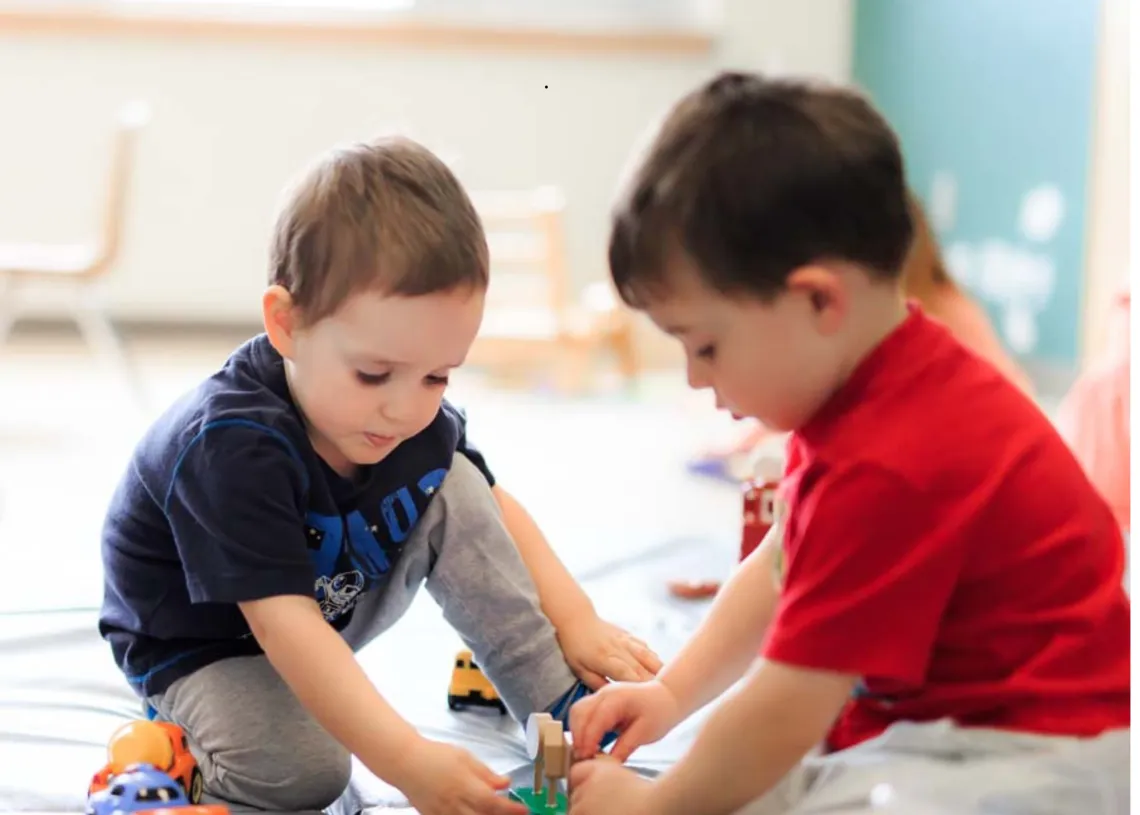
(61, 695)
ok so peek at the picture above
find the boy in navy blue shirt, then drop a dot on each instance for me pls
(285, 512)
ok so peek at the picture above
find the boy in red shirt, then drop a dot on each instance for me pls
(942, 581)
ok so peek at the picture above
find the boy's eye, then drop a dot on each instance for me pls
(707, 351)
(435, 379)
(372, 379)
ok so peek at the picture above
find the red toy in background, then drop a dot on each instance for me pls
(758, 516)
(760, 503)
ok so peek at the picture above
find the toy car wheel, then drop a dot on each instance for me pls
(502, 708)
(453, 703)
(194, 794)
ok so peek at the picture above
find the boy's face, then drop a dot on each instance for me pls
(373, 373)
(775, 361)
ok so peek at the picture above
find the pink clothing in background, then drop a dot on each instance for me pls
(971, 326)
(1093, 418)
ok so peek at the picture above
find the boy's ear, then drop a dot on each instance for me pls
(281, 319)
(825, 294)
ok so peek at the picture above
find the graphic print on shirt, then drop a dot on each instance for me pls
(350, 554)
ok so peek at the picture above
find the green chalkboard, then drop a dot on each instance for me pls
(993, 102)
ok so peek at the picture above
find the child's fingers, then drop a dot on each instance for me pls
(648, 659)
(589, 722)
(624, 667)
(491, 778)
(593, 681)
(640, 643)
(638, 671)
(580, 715)
(610, 716)
(628, 741)
(642, 654)
(580, 773)
(500, 805)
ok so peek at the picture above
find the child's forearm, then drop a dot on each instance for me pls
(752, 740)
(562, 599)
(729, 638)
(321, 670)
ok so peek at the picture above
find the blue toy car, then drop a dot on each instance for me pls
(138, 788)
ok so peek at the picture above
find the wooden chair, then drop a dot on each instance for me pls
(77, 271)
(534, 320)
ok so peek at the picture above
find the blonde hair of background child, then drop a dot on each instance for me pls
(924, 272)
(926, 279)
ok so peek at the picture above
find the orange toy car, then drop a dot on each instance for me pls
(160, 744)
(142, 789)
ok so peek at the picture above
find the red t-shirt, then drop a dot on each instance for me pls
(942, 543)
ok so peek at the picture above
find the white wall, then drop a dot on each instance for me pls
(232, 121)
(1108, 238)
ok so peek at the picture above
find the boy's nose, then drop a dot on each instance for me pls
(408, 412)
(697, 381)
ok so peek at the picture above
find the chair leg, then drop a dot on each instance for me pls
(100, 334)
(624, 346)
(8, 308)
(575, 361)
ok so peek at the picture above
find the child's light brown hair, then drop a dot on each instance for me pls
(924, 272)
(386, 215)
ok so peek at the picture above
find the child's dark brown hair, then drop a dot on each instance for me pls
(751, 178)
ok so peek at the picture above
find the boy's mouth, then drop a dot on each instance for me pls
(379, 441)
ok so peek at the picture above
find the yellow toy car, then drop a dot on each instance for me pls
(469, 687)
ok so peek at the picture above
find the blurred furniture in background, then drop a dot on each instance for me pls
(536, 325)
(75, 273)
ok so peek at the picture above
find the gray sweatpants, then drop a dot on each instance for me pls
(939, 769)
(256, 744)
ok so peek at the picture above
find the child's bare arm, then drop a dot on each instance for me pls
(320, 668)
(729, 638)
(596, 650)
(752, 740)
(322, 671)
(563, 600)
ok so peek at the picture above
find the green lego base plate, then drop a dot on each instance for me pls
(537, 803)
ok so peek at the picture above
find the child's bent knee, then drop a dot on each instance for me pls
(465, 484)
(286, 777)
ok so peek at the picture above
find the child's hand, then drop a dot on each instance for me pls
(602, 787)
(447, 780)
(642, 713)
(598, 651)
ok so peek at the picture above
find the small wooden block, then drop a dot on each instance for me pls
(555, 752)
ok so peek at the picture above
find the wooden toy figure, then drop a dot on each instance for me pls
(548, 746)
(534, 746)
(555, 759)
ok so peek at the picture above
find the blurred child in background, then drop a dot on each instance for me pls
(1093, 418)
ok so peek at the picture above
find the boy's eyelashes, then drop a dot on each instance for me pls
(380, 379)
(373, 379)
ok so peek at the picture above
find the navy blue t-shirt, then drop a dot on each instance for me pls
(225, 501)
